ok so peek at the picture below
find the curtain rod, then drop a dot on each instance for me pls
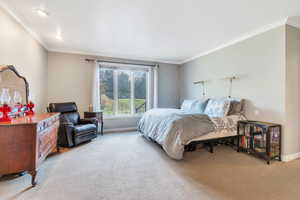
(116, 62)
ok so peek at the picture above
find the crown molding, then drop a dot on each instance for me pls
(240, 39)
(27, 29)
(246, 36)
(294, 21)
(86, 53)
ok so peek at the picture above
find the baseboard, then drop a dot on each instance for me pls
(113, 130)
(290, 157)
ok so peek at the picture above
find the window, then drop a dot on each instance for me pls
(123, 91)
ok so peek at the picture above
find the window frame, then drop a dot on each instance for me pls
(130, 71)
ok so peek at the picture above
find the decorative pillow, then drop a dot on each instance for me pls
(218, 107)
(194, 106)
(236, 106)
(187, 104)
(199, 106)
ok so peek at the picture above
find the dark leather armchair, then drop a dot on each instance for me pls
(72, 129)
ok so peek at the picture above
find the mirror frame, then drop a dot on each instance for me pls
(13, 69)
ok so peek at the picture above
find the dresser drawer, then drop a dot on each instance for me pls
(48, 140)
(47, 123)
(45, 150)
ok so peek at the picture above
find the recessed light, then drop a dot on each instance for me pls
(59, 37)
(42, 12)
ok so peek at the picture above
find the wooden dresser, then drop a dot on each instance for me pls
(26, 141)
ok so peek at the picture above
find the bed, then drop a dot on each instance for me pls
(178, 130)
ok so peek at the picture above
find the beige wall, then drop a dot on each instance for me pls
(292, 139)
(258, 61)
(260, 64)
(70, 79)
(18, 48)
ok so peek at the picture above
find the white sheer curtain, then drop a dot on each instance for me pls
(153, 87)
(96, 88)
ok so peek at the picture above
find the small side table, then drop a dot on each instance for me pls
(97, 115)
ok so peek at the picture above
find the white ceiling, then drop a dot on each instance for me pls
(159, 30)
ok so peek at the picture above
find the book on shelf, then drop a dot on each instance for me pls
(244, 142)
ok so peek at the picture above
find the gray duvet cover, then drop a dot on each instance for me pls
(173, 128)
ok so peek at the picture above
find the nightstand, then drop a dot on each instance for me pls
(97, 115)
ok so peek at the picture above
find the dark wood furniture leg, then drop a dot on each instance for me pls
(33, 176)
(102, 127)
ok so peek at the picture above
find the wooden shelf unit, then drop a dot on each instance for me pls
(262, 139)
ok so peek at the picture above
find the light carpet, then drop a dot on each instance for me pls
(125, 166)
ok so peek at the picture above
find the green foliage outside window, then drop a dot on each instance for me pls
(124, 91)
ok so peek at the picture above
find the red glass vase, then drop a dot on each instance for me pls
(30, 106)
(5, 109)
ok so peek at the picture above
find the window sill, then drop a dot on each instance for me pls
(122, 116)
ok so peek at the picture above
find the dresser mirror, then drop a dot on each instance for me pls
(13, 86)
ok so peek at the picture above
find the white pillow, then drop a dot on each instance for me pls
(187, 104)
(217, 107)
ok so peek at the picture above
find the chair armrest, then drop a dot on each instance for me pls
(89, 121)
